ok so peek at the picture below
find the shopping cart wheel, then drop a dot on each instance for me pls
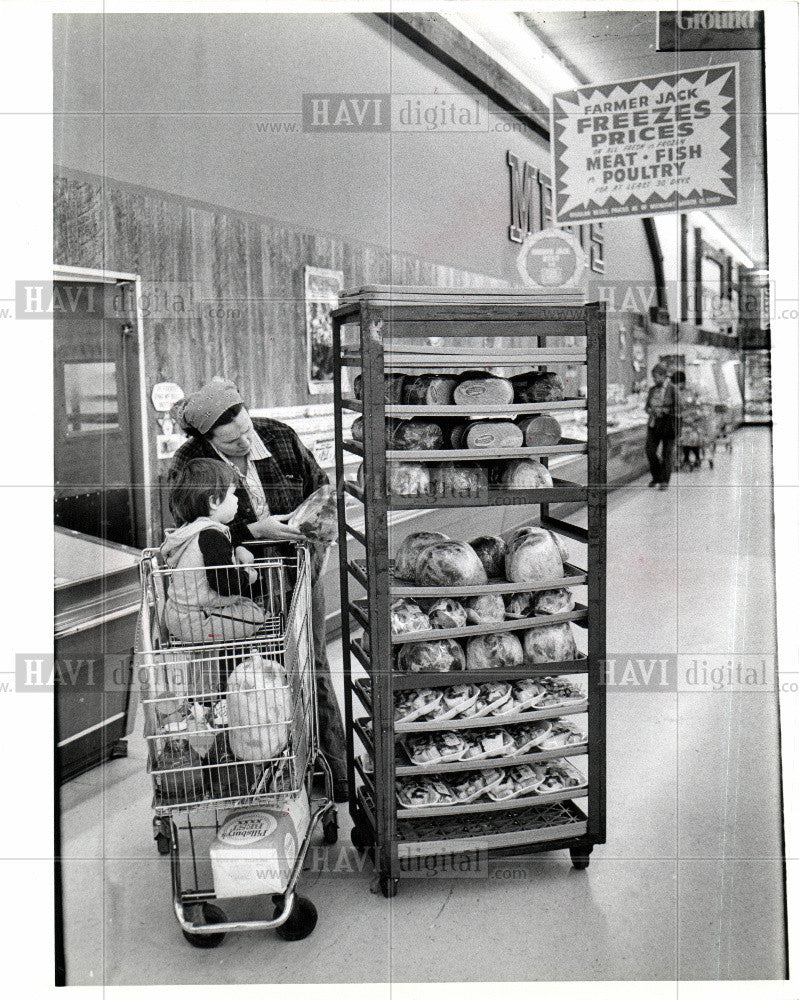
(301, 921)
(210, 915)
(330, 827)
(580, 856)
(389, 886)
(162, 843)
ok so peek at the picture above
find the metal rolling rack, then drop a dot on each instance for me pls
(386, 322)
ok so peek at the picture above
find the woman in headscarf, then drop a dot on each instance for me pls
(274, 473)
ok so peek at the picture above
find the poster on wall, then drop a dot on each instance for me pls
(662, 143)
(322, 289)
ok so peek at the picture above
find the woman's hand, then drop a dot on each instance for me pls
(272, 528)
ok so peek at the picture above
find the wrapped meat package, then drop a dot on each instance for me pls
(439, 656)
(491, 551)
(493, 434)
(410, 435)
(407, 616)
(538, 387)
(550, 643)
(449, 564)
(526, 474)
(423, 390)
(447, 613)
(495, 651)
(534, 554)
(407, 555)
(487, 389)
(393, 382)
(317, 517)
(541, 431)
(459, 479)
(408, 479)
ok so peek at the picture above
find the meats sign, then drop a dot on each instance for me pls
(654, 144)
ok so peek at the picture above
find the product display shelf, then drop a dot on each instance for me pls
(387, 331)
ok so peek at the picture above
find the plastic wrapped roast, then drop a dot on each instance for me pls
(549, 643)
(407, 616)
(449, 564)
(540, 602)
(446, 612)
(538, 387)
(534, 554)
(439, 655)
(393, 382)
(491, 551)
(496, 651)
(407, 555)
(423, 390)
(412, 435)
(487, 609)
(526, 474)
(540, 432)
(459, 479)
(408, 479)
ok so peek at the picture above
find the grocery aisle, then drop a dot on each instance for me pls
(688, 886)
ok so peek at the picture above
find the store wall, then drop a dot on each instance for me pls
(184, 161)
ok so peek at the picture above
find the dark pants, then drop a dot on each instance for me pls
(659, 466)
(331, 728)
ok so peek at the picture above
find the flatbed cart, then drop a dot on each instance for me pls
(231, 726)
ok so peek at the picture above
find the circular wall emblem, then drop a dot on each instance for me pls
(551, 259)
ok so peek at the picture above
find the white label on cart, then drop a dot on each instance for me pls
(248, 829)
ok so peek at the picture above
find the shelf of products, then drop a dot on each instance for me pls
(757, 386)
(472, 668)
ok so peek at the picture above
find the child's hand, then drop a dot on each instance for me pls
(244, 556)
(252, 574)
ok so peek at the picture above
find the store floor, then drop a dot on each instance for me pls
(688, 885)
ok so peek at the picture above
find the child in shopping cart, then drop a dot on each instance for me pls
(213, 589)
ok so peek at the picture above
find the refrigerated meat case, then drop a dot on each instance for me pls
(382, 330)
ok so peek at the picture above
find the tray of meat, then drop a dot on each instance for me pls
(560, 693)
(471, 785)
(564, 733)
(457, 700)
(524, 779)
(436, 748)
(530, 735)
(412, 705)
(560, 775)
(416, 793)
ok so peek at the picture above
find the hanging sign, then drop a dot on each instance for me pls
(654, 144)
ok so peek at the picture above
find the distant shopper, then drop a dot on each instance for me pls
(661, 406)
(274, 473)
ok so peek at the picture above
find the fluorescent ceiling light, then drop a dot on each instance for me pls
(716, 235)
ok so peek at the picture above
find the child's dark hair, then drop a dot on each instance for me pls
(227, 417)
(200, 481)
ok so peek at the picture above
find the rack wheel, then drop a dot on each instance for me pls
(580, 857)
(330, 828)
(301, 921)
(389, 886)
(210, 915)
(162, 843)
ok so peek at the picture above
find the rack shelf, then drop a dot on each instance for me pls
(410, 331)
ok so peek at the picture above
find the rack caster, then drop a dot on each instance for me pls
(161, 837)
(210, 915)
(580, 855)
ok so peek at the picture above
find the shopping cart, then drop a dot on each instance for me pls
(231, 725)
(698, 431)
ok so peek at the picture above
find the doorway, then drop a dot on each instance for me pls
(99, 454)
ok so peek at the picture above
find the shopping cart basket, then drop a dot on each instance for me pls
(231, 726)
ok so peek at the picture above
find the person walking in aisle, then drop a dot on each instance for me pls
(661, 405)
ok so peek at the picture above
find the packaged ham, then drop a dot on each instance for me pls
(489, 389)
(408, 479)
(317, 517)
(449, 564)
(258, 709)
(493, 434)
(423, 390)
(526, 474)
(416, 435)
(393, 383)
(541, 602)
(438, 656)
(407, 616)
(447, 613)
(458, 479)
(539, 432)
(407, 556)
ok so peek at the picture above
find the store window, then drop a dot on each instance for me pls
(90, 396)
